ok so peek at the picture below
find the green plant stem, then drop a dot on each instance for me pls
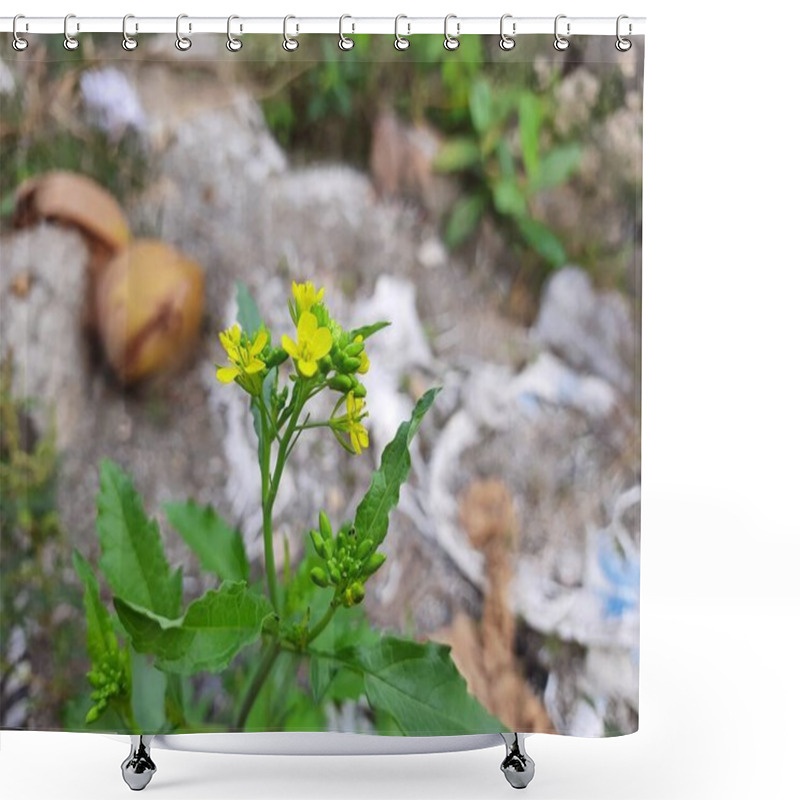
(270, 492)
(267, 485)
(261, 675)
(309, 425)
(322, 624)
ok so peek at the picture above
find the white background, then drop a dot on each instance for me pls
(720, 703)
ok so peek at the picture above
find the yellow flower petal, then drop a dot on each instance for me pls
(228, 343)
(290, 347)
(307, 368)
(306, 326)
(359, 438)
(254, 367)
(227, 374)
(260, 342)
(321, 343)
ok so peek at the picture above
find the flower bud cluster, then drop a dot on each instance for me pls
(348, 562)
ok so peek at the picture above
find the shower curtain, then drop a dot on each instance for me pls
(320, 386)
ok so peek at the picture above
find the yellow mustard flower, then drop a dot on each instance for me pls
(313, 343)
(243, 355)
(306, 295)
(359, 436)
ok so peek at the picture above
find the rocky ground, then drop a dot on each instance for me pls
(548, 409)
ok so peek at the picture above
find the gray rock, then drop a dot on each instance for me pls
(592, 331)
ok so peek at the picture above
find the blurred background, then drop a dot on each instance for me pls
(486, 203)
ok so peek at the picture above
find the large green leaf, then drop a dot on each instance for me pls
(543, 240)
(247, 315)
(213, 630)
(464, 219)
(480, 106)
(509, 198)
(328, 679)
(419, 686)
(219, 547)
(556, 166)
(132, 558)
(372, 514)
(457, 154)
(529, 122)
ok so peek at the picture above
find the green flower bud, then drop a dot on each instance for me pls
(334, 571)
(355, 349)
(359, 390)
(340, 383)
(325, 526)
(276, 357)
(325, 364)
(351, 364)
(374, 563)
(357, 592)
(364, 549)
(319, 543)
(319, 577)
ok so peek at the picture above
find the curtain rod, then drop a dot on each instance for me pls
(406, 26)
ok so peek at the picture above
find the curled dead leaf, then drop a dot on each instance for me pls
(149, 306)
(484, 653)
(71, 199)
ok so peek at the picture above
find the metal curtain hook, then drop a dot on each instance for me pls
(128, 42)
(183, 43)
(400, 42)
(18, 43)
(560, 43)
(345, 42)
(622, 44)
(290, 43)
(233, 44)
(507, 42)
(451, 42)
(70, 42)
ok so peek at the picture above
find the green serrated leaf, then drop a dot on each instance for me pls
(372, 514)
(213, 630)
(219, 547)
(329, 680)
(365, 331)
(543, 240)
(557, 166)
(529, 123)
(457, 154)
(99, 630)
(464, 219)
(132, 558)
(247, 314)
(419, 686)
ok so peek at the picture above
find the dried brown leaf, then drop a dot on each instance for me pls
(71, 199)
(150, 301)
